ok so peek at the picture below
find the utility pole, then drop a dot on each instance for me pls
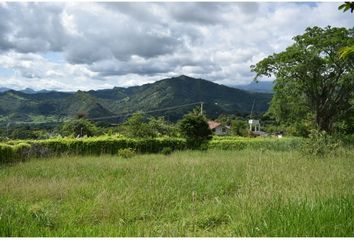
(7, 129)
(252, 108)
(201, 108)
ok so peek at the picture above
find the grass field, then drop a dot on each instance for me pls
(190, 193)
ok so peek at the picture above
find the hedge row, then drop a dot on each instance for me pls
(20, 150)
(15, 151)
(256, 143)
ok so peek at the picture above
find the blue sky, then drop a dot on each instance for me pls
(71, 46)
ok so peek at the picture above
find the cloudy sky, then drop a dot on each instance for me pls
(70, 46)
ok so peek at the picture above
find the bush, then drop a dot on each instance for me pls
(135, 127)
(195, 128)
(166, 151)
(321, 143)
(78, 128)
(126, 153)
(239, 127)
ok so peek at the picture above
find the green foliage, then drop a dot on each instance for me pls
(160, 127)
(22, 133)
(54, 106)
(239, 127)
(136, 127)
(126, 153)
(347, 6)
(19, 151)
(78, 127)
(166, 151)
(299, 129)
(256, 144)
(312, 81)
(11, 153)
(195, 128)
(321, 143)
(345, 52)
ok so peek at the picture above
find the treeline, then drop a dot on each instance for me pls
(136, 126)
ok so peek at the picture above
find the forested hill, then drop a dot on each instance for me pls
(166, 93)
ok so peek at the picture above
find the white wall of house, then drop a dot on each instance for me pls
(221, 130)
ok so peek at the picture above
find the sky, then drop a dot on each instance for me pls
(71, 46)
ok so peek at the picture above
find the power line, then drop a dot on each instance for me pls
(122, 114)
(152, 111)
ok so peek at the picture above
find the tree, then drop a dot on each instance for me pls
(346, 6)
(349, 50)
(136, 127)
(239, 127)
(312, 81)
(194, 127)
(161, 127)
(78, 127)
(345, 52)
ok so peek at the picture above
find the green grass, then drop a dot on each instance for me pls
(191, 193)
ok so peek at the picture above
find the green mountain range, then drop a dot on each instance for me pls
(161, 98)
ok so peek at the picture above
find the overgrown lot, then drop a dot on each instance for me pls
(189, 193)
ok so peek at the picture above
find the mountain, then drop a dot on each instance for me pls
(263, 87)
(4, 89)
(26, 90)
(159, 98)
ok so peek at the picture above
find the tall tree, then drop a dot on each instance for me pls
(194, 127)
(312, 81)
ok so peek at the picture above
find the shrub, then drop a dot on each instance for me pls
(78, 127)
(195, 129)
(321, 143)
(126, 153)
(136, 127)
(166, 151)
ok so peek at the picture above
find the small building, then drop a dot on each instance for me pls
(254, 124)
(218, 128)
(255, 128)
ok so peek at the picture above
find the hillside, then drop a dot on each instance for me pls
(171, 92)
(262, 87)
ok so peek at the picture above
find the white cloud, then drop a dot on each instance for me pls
(123, 44)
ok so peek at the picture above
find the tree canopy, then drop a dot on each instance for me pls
(194, 127)
(312, 81)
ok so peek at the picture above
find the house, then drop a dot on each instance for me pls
(218, 128)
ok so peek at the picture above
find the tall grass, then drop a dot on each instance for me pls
(190, 193)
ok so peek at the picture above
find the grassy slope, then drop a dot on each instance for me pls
(214, 193)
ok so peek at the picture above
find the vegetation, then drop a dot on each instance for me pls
(194, 127)
(126, 153)
(189, 193)
(14, 151)
(103, 104)
(136, 127)
(78, 128)
(312, 81)
(97, 181)
(347, 6)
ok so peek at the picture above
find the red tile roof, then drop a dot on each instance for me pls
(213, 124)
